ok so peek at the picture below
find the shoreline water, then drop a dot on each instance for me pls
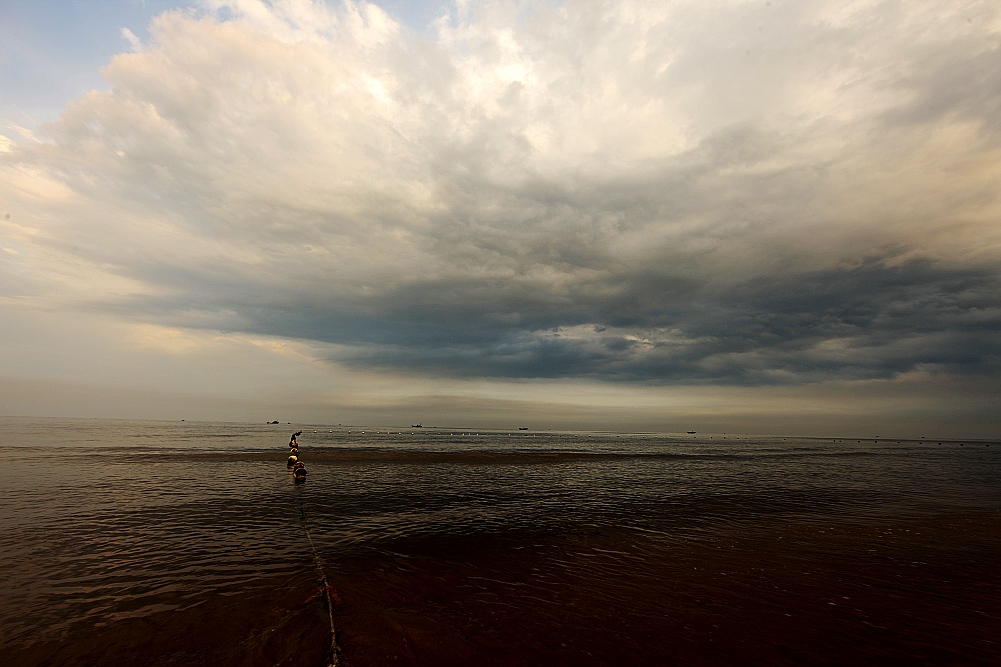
(157, 543)
(776, 593)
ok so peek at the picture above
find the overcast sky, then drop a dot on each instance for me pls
(766, 216)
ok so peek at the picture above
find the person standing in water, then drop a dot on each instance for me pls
(297, 466)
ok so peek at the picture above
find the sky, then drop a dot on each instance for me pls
(765, 217)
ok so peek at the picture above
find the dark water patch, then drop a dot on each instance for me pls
(778, 592)
(260, 621)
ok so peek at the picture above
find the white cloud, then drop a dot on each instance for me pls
(135, 44)
(296, 171)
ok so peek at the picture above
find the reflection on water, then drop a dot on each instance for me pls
(183, 542)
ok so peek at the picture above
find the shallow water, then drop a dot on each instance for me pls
(128, 542)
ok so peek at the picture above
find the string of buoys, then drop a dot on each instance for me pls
(298, 469)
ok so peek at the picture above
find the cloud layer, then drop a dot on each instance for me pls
(737, 193)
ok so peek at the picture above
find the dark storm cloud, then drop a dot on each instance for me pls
(873, 320)
(643, 327)
(637, 192)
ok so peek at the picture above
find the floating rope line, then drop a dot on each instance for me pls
(327, 590)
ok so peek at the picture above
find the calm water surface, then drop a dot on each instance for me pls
(158, 543)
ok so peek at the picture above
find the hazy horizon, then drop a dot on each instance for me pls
(760, 217)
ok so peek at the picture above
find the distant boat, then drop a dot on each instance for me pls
(691, 433)
(416, 426)
(522, 428)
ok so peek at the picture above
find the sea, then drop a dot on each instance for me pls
(190, 543)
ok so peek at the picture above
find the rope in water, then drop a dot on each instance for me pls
(335, 653)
